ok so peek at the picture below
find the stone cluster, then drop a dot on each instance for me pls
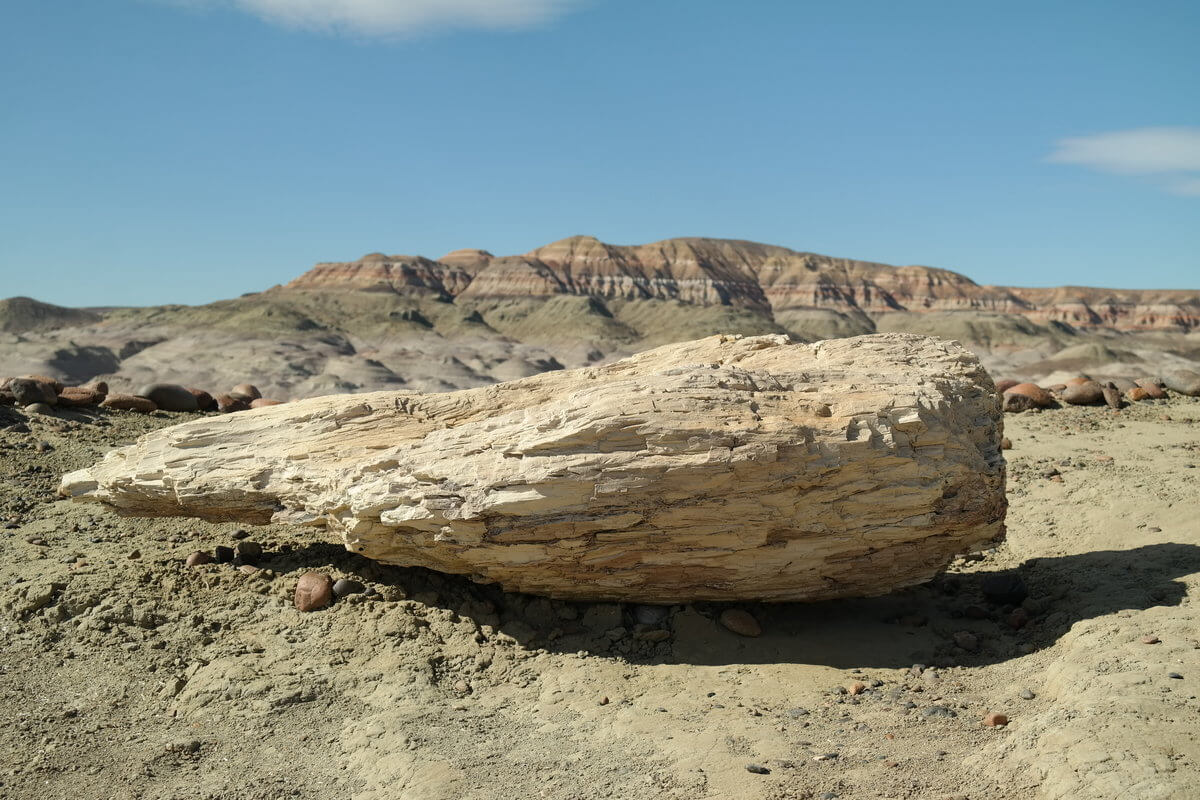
(40, 394)
(1086, 391)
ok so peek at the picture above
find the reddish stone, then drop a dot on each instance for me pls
(246, 390)
(1006, 443)
(1005, 384)
(204, 400)
(313, 591)
(129, 402)
(1040, 397)
(858, 687)
(1078, 381)
(77, 396)
(197, 558)
(227, 403)
(262, 402)
(1150, 640)
(995, 720)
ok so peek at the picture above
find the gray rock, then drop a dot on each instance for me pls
(343, 587)
(38, 408)
(1184, 381)
(27, 391)
(170, 397)
(650, 615)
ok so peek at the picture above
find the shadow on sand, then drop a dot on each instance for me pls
(914, 625)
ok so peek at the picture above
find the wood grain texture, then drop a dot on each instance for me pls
(719, 469)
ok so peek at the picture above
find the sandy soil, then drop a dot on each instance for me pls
(126, 674)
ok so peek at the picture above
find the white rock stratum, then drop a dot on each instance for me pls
(720, 469)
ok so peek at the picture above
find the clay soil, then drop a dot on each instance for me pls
(126, 674)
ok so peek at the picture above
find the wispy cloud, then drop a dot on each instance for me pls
(1172, 155)
(399, 17)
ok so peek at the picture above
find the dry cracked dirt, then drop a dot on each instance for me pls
(126, 674)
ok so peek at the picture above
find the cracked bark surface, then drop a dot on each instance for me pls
(726, 468)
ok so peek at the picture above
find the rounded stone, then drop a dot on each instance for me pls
(247, 390)
(197, 558)
(994, 719)
(204, 400)
(1183, 381)
(169, 397)
(1088, 393)
(79, 396)
(129, 402)
(28, 391)
(1040, 397)
(740, 622)
(39, 408)
(1005, 384)
(262, 402)
(228, 404)
(249, 552)
(313, 591)
(343, 587)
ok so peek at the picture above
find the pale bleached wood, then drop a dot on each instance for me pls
(720, 469)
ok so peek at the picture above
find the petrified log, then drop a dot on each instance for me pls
(725, 468)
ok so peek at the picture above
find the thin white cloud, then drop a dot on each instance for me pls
(399, 17)
(1171, 154)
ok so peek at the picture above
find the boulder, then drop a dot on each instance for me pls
(129, 402)
(1088, 393)
(1004, 384)
(1137, 393)
(100, 387)
(727, 468)
(79, 396)
(1184, 381)
(170, 397)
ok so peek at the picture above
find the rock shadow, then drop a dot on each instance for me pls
(969, 618)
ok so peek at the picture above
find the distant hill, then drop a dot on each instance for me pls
(471, 318)
(22, 314)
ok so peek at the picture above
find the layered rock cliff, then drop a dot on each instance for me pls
(765, 279)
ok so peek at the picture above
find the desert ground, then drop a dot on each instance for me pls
(125, 673)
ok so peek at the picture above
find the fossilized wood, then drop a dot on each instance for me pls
(725, 468)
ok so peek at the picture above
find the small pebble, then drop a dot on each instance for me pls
(603, 701)
(858, 687)
(1027, 694)
(223, 554)
(240, 534)
(135, 554)
(1175, 675)
(1150, 640)
(757, 769)
(995, 720)
(247, 569)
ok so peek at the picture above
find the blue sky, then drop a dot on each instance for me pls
(157, 151)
